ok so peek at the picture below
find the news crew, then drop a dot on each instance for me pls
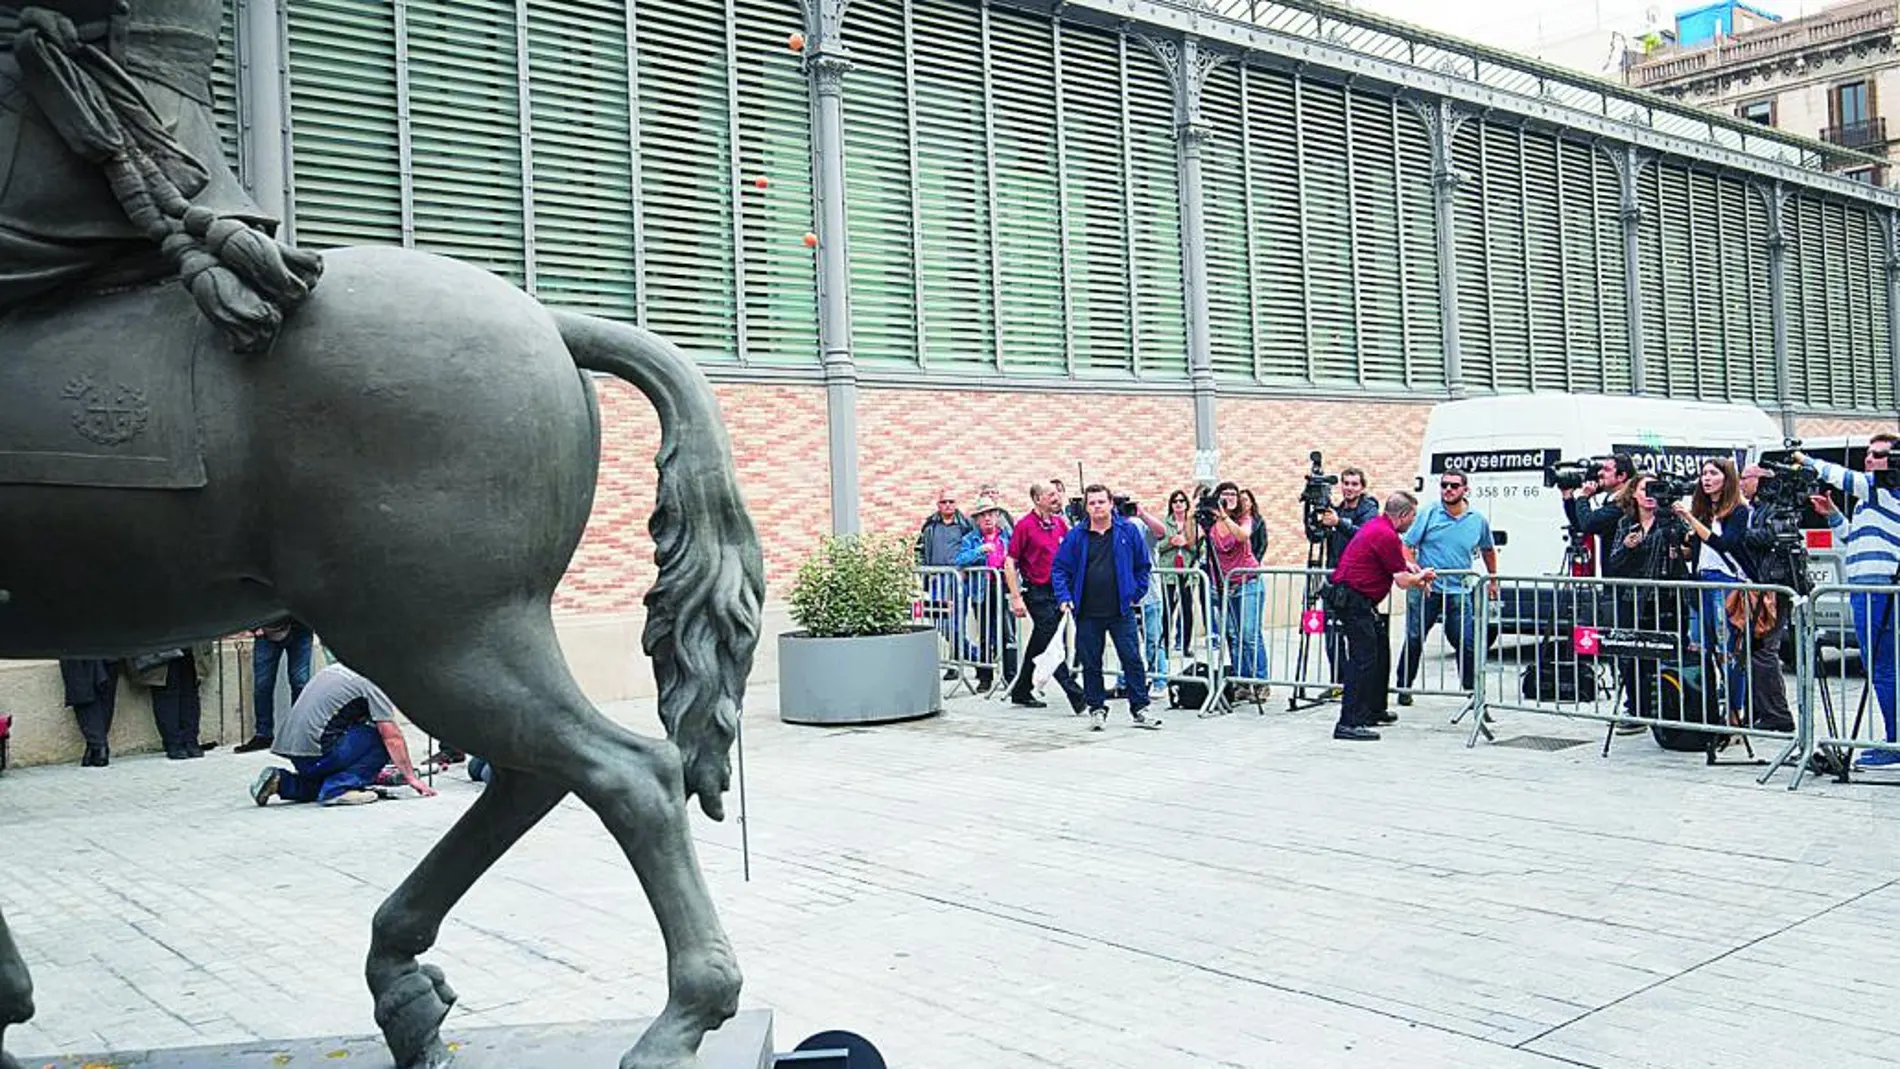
(1872, 535)
(1372, 564)
(1767, 564)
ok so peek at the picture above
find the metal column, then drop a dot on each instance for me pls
(826, 67)
(264, 103)
(1629, 169)
(1775, 199)
(1188, 67)
(1441, 123)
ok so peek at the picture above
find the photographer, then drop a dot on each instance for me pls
(1769, 562)
(1339, 523)
(1600, 522)
(1649, 543)
(1243, 596)
(1872, 538)
(1366, 573)
(1356, 508)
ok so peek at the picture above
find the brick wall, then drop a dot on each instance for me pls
(914, 442)
(778, 443)
(1821, 427)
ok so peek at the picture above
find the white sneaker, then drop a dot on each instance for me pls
(354, 798)
(1098, 719)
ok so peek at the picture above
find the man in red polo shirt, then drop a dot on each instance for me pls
(1032, 553)
(1373, 561)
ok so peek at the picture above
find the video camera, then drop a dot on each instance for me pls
(1316, 497)
(1207, 510)
(1126, 507)
(1572, 474)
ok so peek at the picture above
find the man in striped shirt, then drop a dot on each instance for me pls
(1872, 538)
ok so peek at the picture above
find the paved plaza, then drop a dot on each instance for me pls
(1002, 889)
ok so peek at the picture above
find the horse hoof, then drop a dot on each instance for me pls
(410, 1011)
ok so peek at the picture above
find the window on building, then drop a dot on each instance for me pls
(1758, 111)
(1869, 175)
(1849, 104)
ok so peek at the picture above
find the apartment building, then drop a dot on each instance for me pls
(1821, 76)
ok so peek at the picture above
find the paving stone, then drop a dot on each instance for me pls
(1001, 888)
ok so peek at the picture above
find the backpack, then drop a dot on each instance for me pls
(1186, 693)
(1682, 698)
(1557, 675)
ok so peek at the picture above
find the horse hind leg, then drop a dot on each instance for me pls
(16, 992)
(503, 691)
(412, 999)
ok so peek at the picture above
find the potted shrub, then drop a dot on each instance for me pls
(858, 655)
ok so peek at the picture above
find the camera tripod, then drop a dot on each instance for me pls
(1311, 695)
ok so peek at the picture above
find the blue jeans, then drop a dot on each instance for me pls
(1708, 622)
(351, 764)
(1154, 643)
(264, 657)
(1422, 613)
(1875, 617)
(1125, 630)
(1246, 646)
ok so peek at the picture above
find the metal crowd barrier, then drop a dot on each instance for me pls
(1205, 669)
(1273, 632)
(1695, 663)
(969, 607)
(1845, 657)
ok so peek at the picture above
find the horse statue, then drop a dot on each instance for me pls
(197, 437)
(408, 469)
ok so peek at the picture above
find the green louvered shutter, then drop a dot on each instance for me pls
(1650, 288)
(1854, 296)
(1277, 260)
(959, 311)
(686, 187)
(1714, 362)
(1606, 215)
(1473, 258)
(1583, 280)
(224, 90)
(1751, 267)
(1028, 225)
(1095, 201)
(1795, 300)
(1871, 257)
(583, 156)
(1418, 224)
(1678, 307)
(465, 133)
(1224, 192)
(1744, 311)
(774, 129)
(342, 72)
(1507, 258)
(1551, 364)
(1326, 183)
(1817, 331)
(1155, 195)
(878, 188)
(1377, 254)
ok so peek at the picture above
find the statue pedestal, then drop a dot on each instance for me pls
(744, 1043)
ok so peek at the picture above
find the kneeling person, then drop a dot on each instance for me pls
(1100, 575)
(338, 736)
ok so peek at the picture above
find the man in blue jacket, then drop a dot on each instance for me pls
(1100, 576)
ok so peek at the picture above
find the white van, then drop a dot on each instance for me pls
(1505, 444)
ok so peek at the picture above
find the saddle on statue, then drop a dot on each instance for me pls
(99, 392)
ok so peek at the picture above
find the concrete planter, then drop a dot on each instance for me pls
(869, 680)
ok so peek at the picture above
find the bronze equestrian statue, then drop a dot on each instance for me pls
(401, 452)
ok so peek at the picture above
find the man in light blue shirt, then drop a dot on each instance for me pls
(1447, 537)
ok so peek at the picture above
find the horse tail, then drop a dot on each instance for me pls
(703, 613)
